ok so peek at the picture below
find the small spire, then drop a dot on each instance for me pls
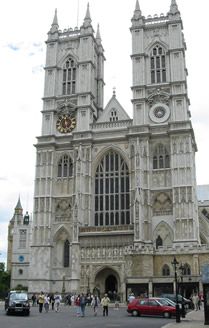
(54, 26)
(137, 11)
(174, 8)
(137, 5)
(98, 36)
(137, 18)
(87, 19)
(18, 206)
(55, 20)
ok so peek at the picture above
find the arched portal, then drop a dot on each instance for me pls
(107, 281)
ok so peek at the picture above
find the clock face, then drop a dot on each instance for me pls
(66, 123)
(21, 258)
(159, 113)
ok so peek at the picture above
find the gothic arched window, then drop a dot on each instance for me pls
(69, 77)
(66, 253)
(186, 270)
(65, 167)
(158, 65)
(166, 270)
(161, 158)
(112, 191)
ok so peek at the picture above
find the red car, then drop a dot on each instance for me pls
(150, 306)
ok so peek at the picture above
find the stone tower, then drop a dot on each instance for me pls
(18, 253)
(166, 166)
(73, 100)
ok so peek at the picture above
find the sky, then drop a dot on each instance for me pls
(24, 25)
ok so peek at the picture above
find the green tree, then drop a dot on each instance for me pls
(4, 280)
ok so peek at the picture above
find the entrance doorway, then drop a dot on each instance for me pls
(111, 287)
(108, 281)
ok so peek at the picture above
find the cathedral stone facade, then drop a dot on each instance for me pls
(115, 197)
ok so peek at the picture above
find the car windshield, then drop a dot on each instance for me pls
(19, 296)
(162, 301)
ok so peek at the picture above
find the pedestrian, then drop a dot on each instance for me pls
(46, 303)
(131, 297)
(33, 300)
(195, 300)
(77, 304)
(105, 303)
(41, 302)
(52, 300)
(95, 304)
(57, 301)
(82, 304)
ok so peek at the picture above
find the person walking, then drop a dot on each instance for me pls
(95, 303)
(82, 304)
(57, 301)
(195, 300)
(46, 303)
(33, 300)
(77, 304)
(41, 302)
(105, 303)
(52, 300)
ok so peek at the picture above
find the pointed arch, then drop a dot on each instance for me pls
(161, 157)
(186, 269)
(66, 253)
(65, 167)
(157, 56)
(112, 190)
(61, 233)
(165, 270)
(69, 72)
(165, 232)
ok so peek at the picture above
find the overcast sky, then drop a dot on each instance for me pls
(24, 25)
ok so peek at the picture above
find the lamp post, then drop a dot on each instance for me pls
(175, 264)
(181, 268)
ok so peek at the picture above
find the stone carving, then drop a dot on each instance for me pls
(162, 204)
(63, 210)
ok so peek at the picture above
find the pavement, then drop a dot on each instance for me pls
(194, 319)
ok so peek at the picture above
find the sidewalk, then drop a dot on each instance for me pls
(194, 319)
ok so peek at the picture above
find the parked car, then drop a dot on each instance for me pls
(17, 302)
(181, 299)
(150, 306)
(166, 301)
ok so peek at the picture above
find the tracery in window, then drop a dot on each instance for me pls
(166, 270)
(186, 270)
(65, 167)
(161, 158)
(158, 65)
(66, 253)
(69, 77)
(112, 191)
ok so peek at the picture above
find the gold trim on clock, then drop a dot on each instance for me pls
(66, 123)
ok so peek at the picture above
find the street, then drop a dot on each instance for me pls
(66, 318)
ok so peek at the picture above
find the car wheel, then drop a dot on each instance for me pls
(166, 315)
(135, 313)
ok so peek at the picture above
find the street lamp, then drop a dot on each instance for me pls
(175, 264)
(181, 268)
